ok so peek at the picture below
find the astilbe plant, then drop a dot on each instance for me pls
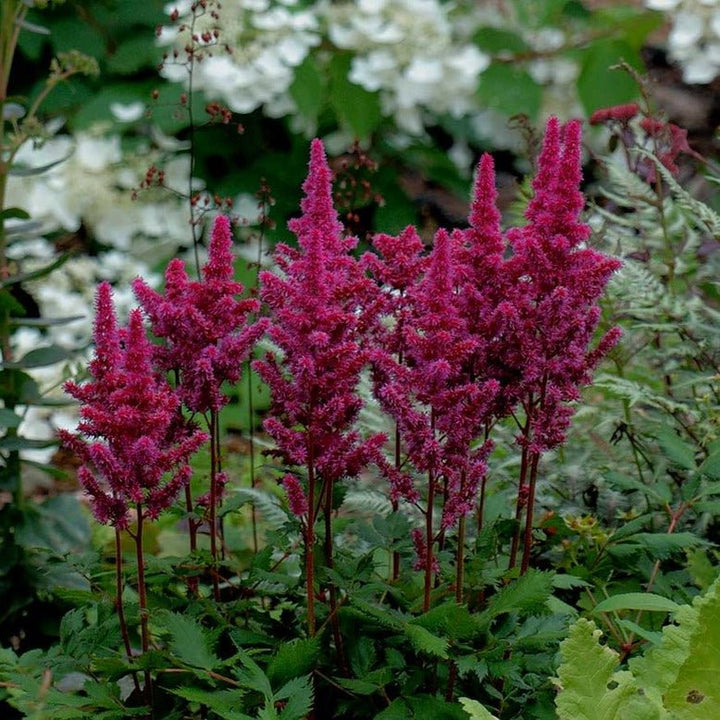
(553, 314)
(207, 336)
(133, 444)
(318, 317)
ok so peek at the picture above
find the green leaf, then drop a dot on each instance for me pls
(308, 88)
(636, 601)
(8, 419)
(590, 689)
(710, 467)
(354, 106)
(224, 703)
(15, 213)
(252, 676)
(424, 641)
(190, 643)
(510, 90)
(41, 357)
(58, 524)
(133, 54)
(499, 41)
(293, 659)
(18, 388)
(598, 85)
(475, 710)
(35, 274)
(526, 594)
(450, 620)
(676, 449)
(682, 671)
(97, 108)
(298, 694)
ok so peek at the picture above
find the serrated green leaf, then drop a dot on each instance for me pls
(526, 594)
(636, 601)
(293, 659)
(475, 710)
(450, 620)
(298, 694)
(225, 703)
(710, 467)
(676, 449)
(510, 90)
(190, 643)
(425, 642)
(250, 675)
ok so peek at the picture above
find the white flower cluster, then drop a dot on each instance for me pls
(87, 182)
(268, 39)
(694, 39)
(419, 55)
(412, 53)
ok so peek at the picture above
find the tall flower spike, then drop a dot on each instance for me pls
(485, 235)
(132, 447)
(204, 323)
(318, 211)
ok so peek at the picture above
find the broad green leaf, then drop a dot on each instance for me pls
(133, 54)
(589, 686)
(8, 418)
(450, 620)
(475, 710)
(41, 357)
(499, 41)
(308, 88)
(510, 90)
(355, 107)
(190, 643)
(682, 671)
(598, 85)
(636, 601)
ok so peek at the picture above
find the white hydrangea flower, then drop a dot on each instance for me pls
(267, 39)
(89, 184)
(694, 38)
(412, 53)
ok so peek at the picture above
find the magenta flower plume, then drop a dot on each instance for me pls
(134, 449)
(204, 324)
(553, 315)
(317, 321)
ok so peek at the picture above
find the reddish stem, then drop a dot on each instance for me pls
(119, 604)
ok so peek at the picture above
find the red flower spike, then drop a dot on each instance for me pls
(130, 412)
